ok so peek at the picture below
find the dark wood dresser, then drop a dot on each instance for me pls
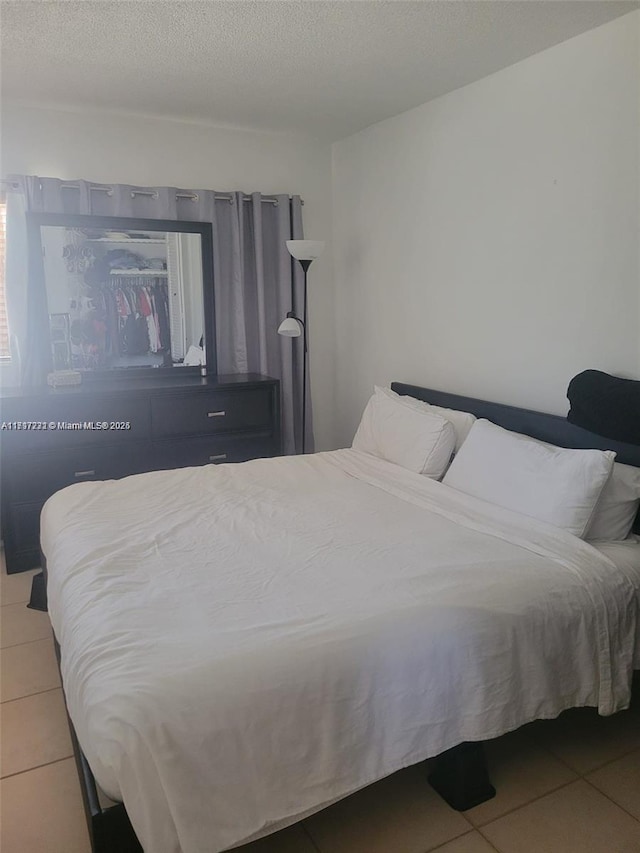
(107, 429)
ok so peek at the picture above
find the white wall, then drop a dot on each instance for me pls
(112, 148)
(486, 243)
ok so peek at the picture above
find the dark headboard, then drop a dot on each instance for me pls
(551, 428)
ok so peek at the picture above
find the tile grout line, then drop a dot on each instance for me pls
(484, 837)
(455, 838)
(615, 802)
(550, 752)
(21, 601)
(27, 642)
(610, 761)
(29, 695)
(583, 774)
(15, 645)
(480, 828)
(444, 843)
(527, 803)
(37, 767)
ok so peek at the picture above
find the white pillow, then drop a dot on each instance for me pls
(394, 429)
(549, 483)
(618, 505)
(462, 421)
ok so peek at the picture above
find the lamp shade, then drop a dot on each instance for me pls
(290, 328)
(305, 250)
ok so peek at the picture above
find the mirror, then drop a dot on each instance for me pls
(126, 294)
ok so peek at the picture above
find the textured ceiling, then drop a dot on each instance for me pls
(326, 68)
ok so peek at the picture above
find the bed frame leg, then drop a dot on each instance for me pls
(461, 776)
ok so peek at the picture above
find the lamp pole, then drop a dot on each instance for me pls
(305, 264)
(304, 251)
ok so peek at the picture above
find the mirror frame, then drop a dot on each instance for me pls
(38, 305)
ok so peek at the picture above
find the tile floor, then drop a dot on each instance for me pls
(570, 785)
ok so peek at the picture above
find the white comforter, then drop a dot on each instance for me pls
(243, 644)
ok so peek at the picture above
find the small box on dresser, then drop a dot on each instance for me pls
(107, 429)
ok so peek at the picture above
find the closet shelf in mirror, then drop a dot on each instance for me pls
(125, 240)
(139, 272)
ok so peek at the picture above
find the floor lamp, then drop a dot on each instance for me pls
(304, 251)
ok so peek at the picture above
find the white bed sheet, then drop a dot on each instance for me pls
(243, 644)
(625, 556)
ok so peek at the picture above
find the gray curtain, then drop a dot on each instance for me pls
(255, 279)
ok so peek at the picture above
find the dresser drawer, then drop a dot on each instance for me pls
(25, 528)
(203, 451)
(131, 414)
(39, 475)
(211, 411)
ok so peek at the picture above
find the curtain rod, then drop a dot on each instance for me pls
(13, 185)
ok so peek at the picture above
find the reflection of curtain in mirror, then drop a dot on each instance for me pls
(175, 270)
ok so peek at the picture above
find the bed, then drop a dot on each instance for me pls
(242, 645)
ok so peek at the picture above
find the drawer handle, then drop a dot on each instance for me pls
(218, 458)
(216, 414)
(90, 473)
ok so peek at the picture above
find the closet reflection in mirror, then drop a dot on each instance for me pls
(123, 298)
